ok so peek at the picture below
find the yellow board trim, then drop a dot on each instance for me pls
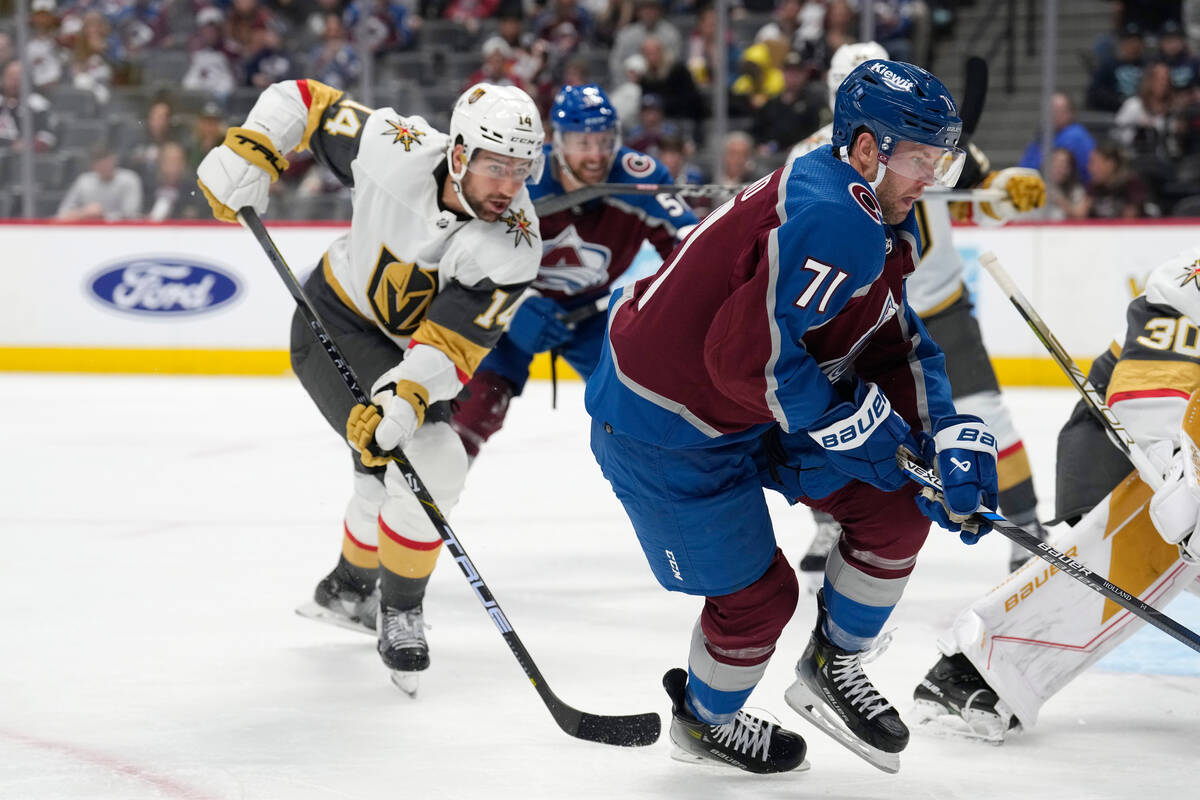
(1010, 371)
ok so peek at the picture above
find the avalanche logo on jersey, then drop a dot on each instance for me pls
(520, 226)
(400, 292)
(637, 165)
(406, 135)
(161, 285)
(837, 367)
(571, 265)
(866, 201)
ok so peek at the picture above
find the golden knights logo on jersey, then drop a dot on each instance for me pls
(404, 134)
(1191, 274)
(400, 293)
(520, 226)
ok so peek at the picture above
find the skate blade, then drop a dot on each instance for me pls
(807, 705)
(688, 757)
(319, 613)
(407, 682)
(976, 726)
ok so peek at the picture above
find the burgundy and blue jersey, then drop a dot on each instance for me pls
(767, 313)
(585, 249)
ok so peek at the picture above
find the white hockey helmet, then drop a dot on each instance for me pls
(499, 119)
(846, 58)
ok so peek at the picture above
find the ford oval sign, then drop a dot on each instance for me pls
(163, 285)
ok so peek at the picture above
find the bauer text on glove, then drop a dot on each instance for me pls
(860, 438)
(964, 453)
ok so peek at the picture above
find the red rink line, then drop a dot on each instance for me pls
(170, 786)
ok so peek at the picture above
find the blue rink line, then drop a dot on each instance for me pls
(1152, 652)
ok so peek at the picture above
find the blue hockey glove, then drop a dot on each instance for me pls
(964, 452)
(536, 326)
(860, 438)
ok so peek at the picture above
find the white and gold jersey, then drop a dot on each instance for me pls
(415, 269)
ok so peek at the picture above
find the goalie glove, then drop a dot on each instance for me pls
(239, 173)
(964, 453)
(1024, 191)
(390, 422)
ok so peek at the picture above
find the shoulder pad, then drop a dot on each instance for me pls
(1176, 283)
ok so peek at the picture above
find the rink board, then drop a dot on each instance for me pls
(202, 298)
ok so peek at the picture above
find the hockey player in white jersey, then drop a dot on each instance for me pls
(937, 293)
(442, 243)
(1010, 651)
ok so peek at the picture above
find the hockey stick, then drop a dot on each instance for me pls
(926, 477)
(1095, 402)
(554, 203)
(630, 730)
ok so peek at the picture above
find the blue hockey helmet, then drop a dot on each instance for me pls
(586, 131)
(899, 102)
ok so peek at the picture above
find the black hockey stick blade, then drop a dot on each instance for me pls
(974, 94)
(926, 477)
(628, 731)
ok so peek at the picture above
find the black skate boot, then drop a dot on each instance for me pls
(954, 700)
(345, 598)
(402, 645)
(746, 742)
(812, 564)
(832, 692)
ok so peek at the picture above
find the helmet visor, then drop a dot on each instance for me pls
(929, 164)
(584, 144)
(502, 167)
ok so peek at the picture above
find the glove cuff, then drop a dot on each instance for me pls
(966, 433)
(257, 148)
(851, 431)
(416, 395)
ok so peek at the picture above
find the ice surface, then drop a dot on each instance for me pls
(158, 532)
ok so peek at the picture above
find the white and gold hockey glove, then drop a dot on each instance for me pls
(1024, 191)
(397, 410)
(239, 173)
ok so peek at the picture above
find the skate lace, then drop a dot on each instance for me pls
(856, 686)
(745, 733)
(403, 628)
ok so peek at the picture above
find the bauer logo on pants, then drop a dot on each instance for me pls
(163, 286)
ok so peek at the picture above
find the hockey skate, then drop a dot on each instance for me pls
(954, 700)
(832, 692)
(341, 600)
(1020, 555)
(746, 742)
(402, 646)
(812, 564)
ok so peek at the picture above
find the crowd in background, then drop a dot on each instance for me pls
(128, 95)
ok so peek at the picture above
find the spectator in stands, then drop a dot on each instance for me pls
(46, 55)
(528, 52)
(1116, 192)
(246, 19)
(702, 49)
(1118, 79)
(675, 153)
(564, 25)
(841, 27)
(903, 27)
(784, 24)
(795, 112)
(648, 21)
(737, 160)
(497, 65)
(334, 61)
(154, 134)
(142, 25)
(392, 26)
(8, 50)
(268, 62)
(652, 126)
(208, 131)
(470, 13)
(173, 193)
(105, 192)
(1174, 51)
(210, 68)
(12, 138)
(627, 97)
(1142, 121)
(760, 76)
(668, 78)
(1068, 134)
(95, 55)
(1065, 196)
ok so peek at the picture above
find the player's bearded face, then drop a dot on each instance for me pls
(910, 169)
(589, 155)
(492, 181)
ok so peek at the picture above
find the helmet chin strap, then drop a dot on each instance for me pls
(456, 184)
(844, 154)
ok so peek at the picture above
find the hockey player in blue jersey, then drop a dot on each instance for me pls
(776, 348)
(584, 249)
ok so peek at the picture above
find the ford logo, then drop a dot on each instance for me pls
(162, 285)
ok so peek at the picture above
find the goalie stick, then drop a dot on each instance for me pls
(630, 730)
(1108, 420)
(926, 477)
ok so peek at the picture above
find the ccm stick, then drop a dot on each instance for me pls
(629, 731)
(932, 488)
